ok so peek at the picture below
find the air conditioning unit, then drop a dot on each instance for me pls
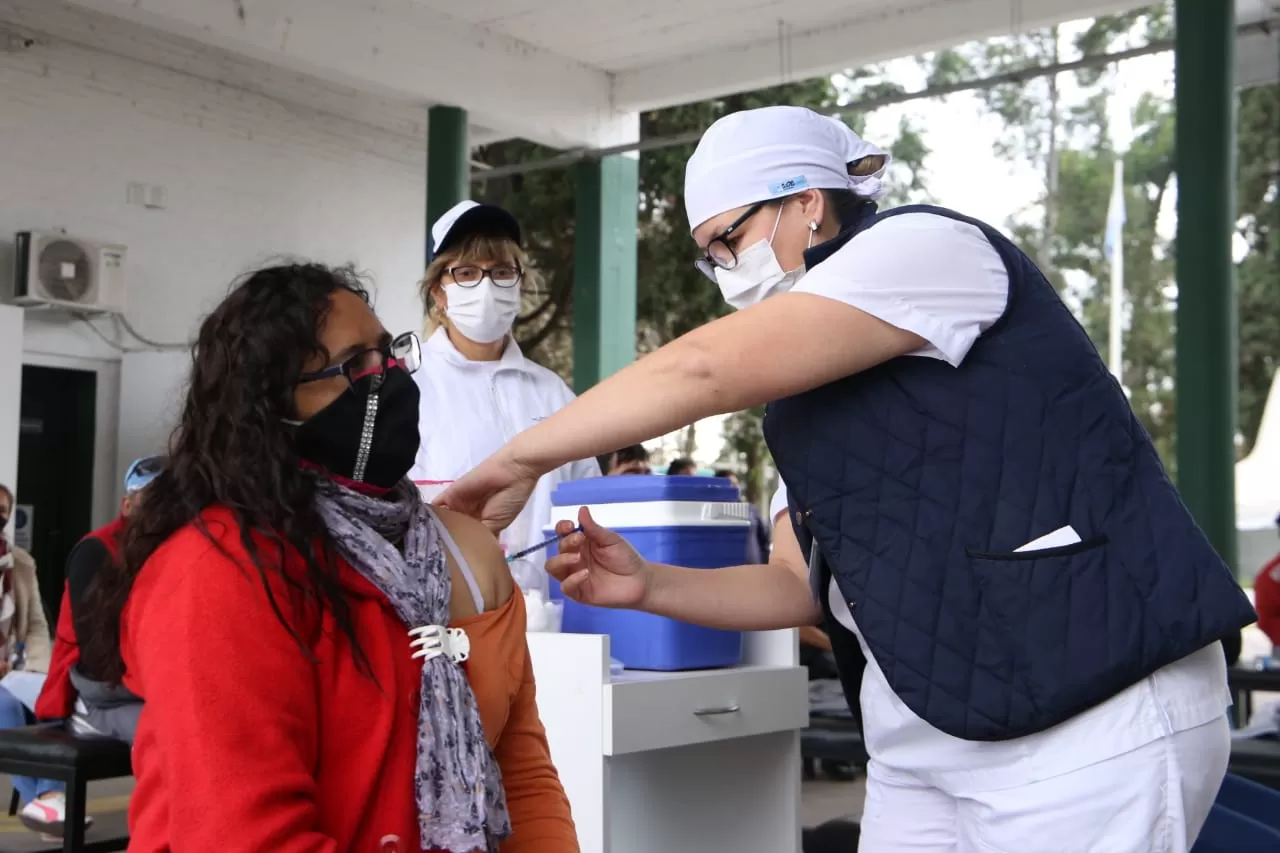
(58, 271)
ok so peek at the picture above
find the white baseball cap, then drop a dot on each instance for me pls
(470, 217)
(773, 152)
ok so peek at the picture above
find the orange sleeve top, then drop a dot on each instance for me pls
(244, 744)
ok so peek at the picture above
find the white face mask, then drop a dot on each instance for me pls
(484, 313)
(758, 274)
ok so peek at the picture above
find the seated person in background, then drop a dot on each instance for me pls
(682, 468)
(296, 618)
(1266, 592)
(629, 460)
(24, 645)
(92, 704)
(24, 631)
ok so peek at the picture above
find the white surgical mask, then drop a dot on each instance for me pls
(484, 313)
(758, 274)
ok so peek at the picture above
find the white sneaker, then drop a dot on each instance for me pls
(48, 816)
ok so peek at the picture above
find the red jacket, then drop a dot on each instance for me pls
(246, 746)
(58, 697)
(1266, 593)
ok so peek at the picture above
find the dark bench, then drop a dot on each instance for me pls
(1244, 682)
(1257, 759)
(49, 751)
(833, 739)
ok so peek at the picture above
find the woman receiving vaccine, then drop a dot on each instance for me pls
(478, 391)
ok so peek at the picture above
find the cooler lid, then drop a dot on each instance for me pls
(633, 488)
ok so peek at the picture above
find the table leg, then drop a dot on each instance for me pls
(73, 831)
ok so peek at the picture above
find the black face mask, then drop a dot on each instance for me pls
(369, 434)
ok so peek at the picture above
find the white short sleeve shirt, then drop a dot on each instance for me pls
(943, 280)
(470, 409)
(923, 273)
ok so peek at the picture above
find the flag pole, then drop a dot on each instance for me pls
(1115, 348)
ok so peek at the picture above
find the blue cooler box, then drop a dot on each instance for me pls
(698, 522)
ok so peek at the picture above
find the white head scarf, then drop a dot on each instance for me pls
(772, 152)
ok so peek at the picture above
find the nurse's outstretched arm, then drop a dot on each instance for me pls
(599, 567)
(787, 344)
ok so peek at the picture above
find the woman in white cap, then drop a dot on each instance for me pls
(1023, 611)
(477, 388)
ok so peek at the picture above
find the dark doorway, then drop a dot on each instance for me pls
(55, 467)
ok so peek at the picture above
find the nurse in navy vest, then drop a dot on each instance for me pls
(1023, 609)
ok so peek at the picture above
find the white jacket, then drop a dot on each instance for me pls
(469, 409)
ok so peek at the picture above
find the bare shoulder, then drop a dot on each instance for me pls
(481, 550)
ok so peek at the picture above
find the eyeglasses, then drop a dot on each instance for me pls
(719, 254)
(503, 275)
(404, 352)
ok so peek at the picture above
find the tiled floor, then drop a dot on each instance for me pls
(823, 800)
(108, 802)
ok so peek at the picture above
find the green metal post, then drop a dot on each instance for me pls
(604, 263)
(1205, 98)
(448, 162)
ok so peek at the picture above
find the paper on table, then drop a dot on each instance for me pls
(1057, 539)
(25, 686)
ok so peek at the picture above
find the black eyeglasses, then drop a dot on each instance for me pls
(404, 352)
(719, 254)
(502, 275)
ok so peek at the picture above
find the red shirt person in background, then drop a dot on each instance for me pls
(1266, 591)
(102, 546)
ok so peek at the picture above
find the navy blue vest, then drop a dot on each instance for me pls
(918, 480)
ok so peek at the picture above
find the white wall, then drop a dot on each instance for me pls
(246, 178)
(10, 385)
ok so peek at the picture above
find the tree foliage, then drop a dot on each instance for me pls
(1258, 273)
(1070, 145)
(745, 450)
(543, 202)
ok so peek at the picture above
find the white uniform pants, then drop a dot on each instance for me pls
(1152, 800)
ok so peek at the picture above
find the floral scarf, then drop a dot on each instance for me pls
(462, 806)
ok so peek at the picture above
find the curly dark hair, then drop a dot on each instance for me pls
(232, 448)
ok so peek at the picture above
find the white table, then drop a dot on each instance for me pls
(705, 761)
